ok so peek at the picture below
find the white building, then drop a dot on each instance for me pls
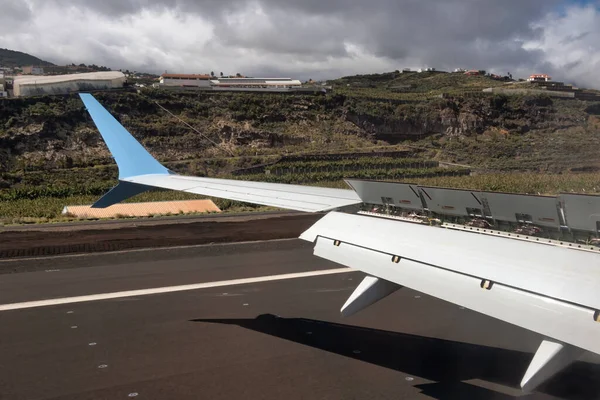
(264, 83)
(208, 81)
(61, 84)
(185, 80)
(539, 78)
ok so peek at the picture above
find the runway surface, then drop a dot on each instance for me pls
(280, 339)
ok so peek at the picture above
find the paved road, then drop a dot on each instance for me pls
(281, 339)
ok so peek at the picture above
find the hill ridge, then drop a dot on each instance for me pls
(14, 58)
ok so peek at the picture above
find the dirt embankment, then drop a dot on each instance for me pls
(33, 243)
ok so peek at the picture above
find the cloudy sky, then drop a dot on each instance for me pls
(316, 39)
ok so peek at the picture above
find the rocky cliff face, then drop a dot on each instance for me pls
(469, 117)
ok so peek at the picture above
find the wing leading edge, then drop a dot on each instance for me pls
(139, 172)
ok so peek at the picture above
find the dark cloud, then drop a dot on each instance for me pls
(14, 14)
(440, 32)
(573, 38)
(113, 8)
(395, 29)
(309, 37)
(573, 65)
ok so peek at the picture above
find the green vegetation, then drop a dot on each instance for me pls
(43, 194)
(11, 58)
(413, 86)
(527, 183)
(556, 151)
(55, 132)
(363, 163)
(373, 173)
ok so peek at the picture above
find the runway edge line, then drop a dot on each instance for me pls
(168, 289)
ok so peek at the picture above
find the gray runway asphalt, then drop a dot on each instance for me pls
(268, 340)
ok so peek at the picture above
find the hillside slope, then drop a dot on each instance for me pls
(485, 131)
(12, 58)
(412, 85)
(419, 82)
(236, 130)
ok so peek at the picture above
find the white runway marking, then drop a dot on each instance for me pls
(168, 289)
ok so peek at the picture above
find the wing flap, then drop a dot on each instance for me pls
(550, 317)
(556, 272)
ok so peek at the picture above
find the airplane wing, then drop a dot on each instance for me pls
(543, 286)
(139, 172)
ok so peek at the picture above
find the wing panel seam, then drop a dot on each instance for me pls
(460, 273)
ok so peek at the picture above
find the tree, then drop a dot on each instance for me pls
(238, 75)
(221, 74)
(212, 73)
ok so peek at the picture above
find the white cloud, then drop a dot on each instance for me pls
(148, 39)
(310, 39)
(571, 44)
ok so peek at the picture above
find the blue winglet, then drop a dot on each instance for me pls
(131, 157)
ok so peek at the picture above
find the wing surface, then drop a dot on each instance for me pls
(139, 171)
(294, 197)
